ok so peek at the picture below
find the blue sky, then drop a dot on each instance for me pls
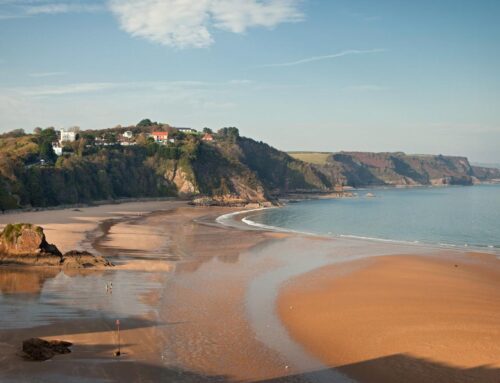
(386, 75)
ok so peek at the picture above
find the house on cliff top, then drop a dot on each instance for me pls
(67, 136)
(208, 137)
(160, 137)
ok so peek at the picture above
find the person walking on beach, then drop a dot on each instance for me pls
(109, 287)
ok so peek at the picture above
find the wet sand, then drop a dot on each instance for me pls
(196, 300)
(182, 312)
(69, 228)
(401, 318)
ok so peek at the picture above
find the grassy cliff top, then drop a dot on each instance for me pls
(13, 230)
(318, 158)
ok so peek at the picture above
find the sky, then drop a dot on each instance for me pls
(322, 75)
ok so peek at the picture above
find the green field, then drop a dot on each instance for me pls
(318, 158)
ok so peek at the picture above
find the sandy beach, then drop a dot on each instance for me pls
(401, 318)
(173, 283)
(198, 302)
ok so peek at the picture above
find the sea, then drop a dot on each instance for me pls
(453, 216)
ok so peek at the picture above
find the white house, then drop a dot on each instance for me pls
(187, 130)
(57, 148)
(67, 136)
(128, 134)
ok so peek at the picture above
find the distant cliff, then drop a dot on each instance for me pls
(225, 168)
(362, 169)
(398, 169)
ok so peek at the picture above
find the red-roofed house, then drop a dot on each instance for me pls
(208, 137)
(160, 136)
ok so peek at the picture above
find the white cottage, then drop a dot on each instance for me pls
(67, 136)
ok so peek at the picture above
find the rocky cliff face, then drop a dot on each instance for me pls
(486, 174)
(369, 169)
(183, 182)
(248, 171)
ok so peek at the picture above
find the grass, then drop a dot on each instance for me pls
(318, 158)
(12, 231)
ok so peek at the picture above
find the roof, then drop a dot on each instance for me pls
(159, 133)
(184, 129)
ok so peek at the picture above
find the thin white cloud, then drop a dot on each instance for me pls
(56, 8)
(61, 90)
(12, 9)
(325, 57)
(189, 23)
(46, 74)
(101, 87)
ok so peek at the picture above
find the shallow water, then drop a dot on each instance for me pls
(33, 297)
(449, 216)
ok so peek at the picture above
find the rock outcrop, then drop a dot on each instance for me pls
(24, 239)
(25, 244)
(83, 260)
(40, 349)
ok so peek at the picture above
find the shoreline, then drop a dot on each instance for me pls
(246, 223)
(196, 298)
(90, 204)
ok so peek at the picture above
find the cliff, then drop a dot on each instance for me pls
(366, 169)
(230, 169)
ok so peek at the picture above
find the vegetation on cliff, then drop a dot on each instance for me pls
(129, 162)
(397, 168)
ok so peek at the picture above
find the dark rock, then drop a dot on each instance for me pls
(83, 259)
(40, 349)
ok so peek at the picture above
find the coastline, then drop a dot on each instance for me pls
(246, 221)
(197, 300)
(436, 244)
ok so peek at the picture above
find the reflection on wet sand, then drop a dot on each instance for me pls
(24, 280)
(31, 297)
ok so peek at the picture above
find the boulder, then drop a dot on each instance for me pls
(25, 244)
(25, 239)
(40, 349)
(83, 260)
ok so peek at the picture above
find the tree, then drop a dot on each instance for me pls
(207, 130)
(142, 139)
(47, 152)
(145, 123)
(37, 131)
(14, 133)
(230, 133)
(80, 147)
(47, 135)
(110, 137)
(89, 137)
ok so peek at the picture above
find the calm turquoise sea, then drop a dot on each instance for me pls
(450, 216)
